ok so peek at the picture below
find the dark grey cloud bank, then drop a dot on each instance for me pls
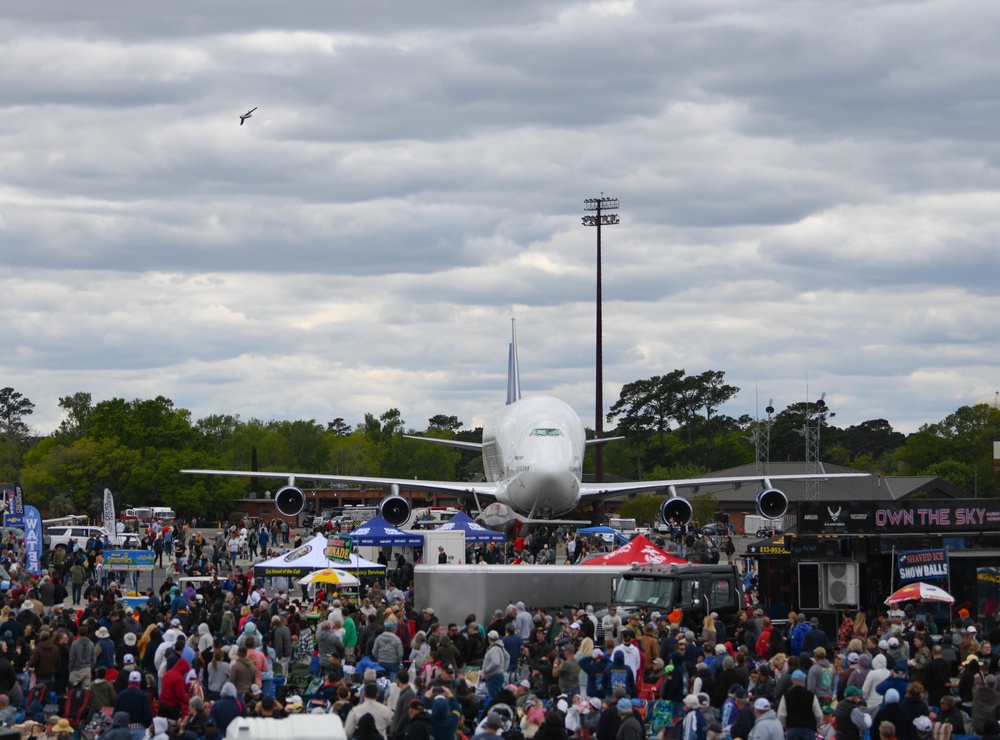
(809, 199)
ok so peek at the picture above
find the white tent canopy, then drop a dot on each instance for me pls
(312, 556)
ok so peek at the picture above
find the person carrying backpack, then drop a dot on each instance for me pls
(822, 677)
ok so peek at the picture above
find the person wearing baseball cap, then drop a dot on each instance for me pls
(799, 710)
(849, 717)
(630, 728)
(134, 700)
(766, 726)
(495, 663)
(743, 719)
(594, 666)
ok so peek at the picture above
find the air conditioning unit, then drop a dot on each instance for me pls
(840, 585)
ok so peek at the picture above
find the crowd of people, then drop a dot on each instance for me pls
(76, 658)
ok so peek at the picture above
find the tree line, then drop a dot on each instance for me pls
(670, 424)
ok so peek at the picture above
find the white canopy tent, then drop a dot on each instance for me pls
(312, 556)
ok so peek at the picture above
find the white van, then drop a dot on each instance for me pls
(64, 536)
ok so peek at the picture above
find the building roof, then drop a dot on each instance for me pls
(873, 488)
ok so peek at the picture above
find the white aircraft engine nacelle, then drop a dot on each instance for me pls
(677, 509)
(772, 503)
(395, 509)
(289, 500)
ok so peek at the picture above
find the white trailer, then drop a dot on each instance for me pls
(758, 526)
(455, 591)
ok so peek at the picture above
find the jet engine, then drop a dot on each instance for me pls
(395, 509)
(676, 508)
(289, 500)
(772, 503)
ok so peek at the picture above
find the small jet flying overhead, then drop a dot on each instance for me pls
(533, 449)
(248, 114)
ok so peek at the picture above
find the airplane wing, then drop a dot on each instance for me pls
(594, 491)
(474, 446)
(602, 440)
(461, 489)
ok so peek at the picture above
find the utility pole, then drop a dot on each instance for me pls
(599, 205)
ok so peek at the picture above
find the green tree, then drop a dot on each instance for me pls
(705, 506)
(355, 454)
(441, 421)
(78, 408)
(644, 508)
(338, 427)
(157, 479)
(86, 467)
(14, 430)
(217, 431)
(958, 474)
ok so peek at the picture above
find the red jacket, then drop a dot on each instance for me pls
(173, 690)
(764, 641)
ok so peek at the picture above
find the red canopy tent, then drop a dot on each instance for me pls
(639, 550)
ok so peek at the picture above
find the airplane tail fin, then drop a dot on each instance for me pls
(513, 375)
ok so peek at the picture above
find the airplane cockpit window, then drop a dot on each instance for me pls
(546, 433)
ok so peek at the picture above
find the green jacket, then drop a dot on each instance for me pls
(78, 574)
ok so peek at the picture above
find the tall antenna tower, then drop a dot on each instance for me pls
(815, 413)
(761, 439)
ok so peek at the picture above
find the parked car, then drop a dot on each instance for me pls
(64, 537)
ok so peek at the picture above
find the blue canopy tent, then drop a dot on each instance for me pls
(474, 531)
(377, 531)
(619, 537)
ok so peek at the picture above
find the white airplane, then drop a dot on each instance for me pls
(532, 450)
(248, 114)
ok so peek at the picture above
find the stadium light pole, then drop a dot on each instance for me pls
(599, 219)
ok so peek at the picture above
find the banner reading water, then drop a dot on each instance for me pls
(33, 540)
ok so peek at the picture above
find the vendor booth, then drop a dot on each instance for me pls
(474, 531)
(639, 550)
(312, 556)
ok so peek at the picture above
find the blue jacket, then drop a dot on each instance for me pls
(595, 675)
(618, 674)
(445, 714)
(798, 636)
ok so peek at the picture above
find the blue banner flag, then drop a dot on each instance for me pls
(33, 540)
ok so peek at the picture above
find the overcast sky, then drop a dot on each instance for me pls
(810, 202)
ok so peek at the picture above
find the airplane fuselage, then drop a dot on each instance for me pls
(533, 451)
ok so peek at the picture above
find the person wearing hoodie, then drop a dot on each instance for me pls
(898, 680)
(892, 711)
(985, 705)
(173, 690)
(619, 675)
(858, 676)
(878, 673)
(821, 679)
(158, 729)
(494, 665)
(594, 665)
(102, 693)
(205, 639)
(81, 659)
(226, 708)
(445, 713)
(119, 728)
